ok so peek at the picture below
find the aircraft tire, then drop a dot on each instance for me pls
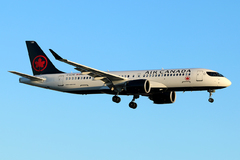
(211, 100)
(133, 105)
(116, 99)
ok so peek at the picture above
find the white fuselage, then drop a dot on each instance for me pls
(170, 79)
(159, 86)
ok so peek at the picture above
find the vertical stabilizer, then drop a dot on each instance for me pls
(39, 61)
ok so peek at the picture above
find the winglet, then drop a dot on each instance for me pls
(57, 57)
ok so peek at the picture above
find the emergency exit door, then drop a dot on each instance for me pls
(60, 80)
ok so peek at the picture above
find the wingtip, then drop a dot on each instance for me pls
(55, 55)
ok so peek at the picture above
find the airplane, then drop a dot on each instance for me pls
(160, 85)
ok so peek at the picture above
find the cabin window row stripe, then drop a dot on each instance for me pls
(158, 75)
(128, 76)
(77, 78)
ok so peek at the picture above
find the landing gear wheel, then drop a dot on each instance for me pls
(116, 99)
(211, 100)
(133, 105)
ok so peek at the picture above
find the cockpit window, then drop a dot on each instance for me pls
(215, 74)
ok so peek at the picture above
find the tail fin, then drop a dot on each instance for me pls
(39, 61)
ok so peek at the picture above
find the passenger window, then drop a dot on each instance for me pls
(159, 75)
(66, 78)
(167, 74)
(90, 77)
(86, 77)
(83, 77)
(170, 74)
(144, 75)
(164, 75)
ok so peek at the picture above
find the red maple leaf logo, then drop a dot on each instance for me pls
(187, 78)
(39, 63)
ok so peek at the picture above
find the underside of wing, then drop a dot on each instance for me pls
(157, 85)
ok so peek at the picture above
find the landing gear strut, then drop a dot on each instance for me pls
(132, 104)
(211, 100)
(116, 99)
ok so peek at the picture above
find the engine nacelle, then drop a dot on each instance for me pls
(139, 86)
(163, 98)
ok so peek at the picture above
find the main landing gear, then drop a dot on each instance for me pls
(132, 104)
(116, 99)
(211, 100)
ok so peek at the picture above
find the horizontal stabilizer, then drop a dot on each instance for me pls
(33, 78)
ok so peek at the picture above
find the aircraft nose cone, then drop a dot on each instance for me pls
(228, 82)
(224, 82)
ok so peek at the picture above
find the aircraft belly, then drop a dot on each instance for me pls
(89, 90)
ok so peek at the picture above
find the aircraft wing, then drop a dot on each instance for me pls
(97, 74)
(33, 78)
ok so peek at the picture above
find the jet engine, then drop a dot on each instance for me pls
(163, 98)
(139, 86)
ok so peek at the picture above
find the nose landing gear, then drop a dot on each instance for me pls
(211, 100)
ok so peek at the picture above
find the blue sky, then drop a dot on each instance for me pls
(122, 35)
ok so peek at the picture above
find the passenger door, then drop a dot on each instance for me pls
(199, 76)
